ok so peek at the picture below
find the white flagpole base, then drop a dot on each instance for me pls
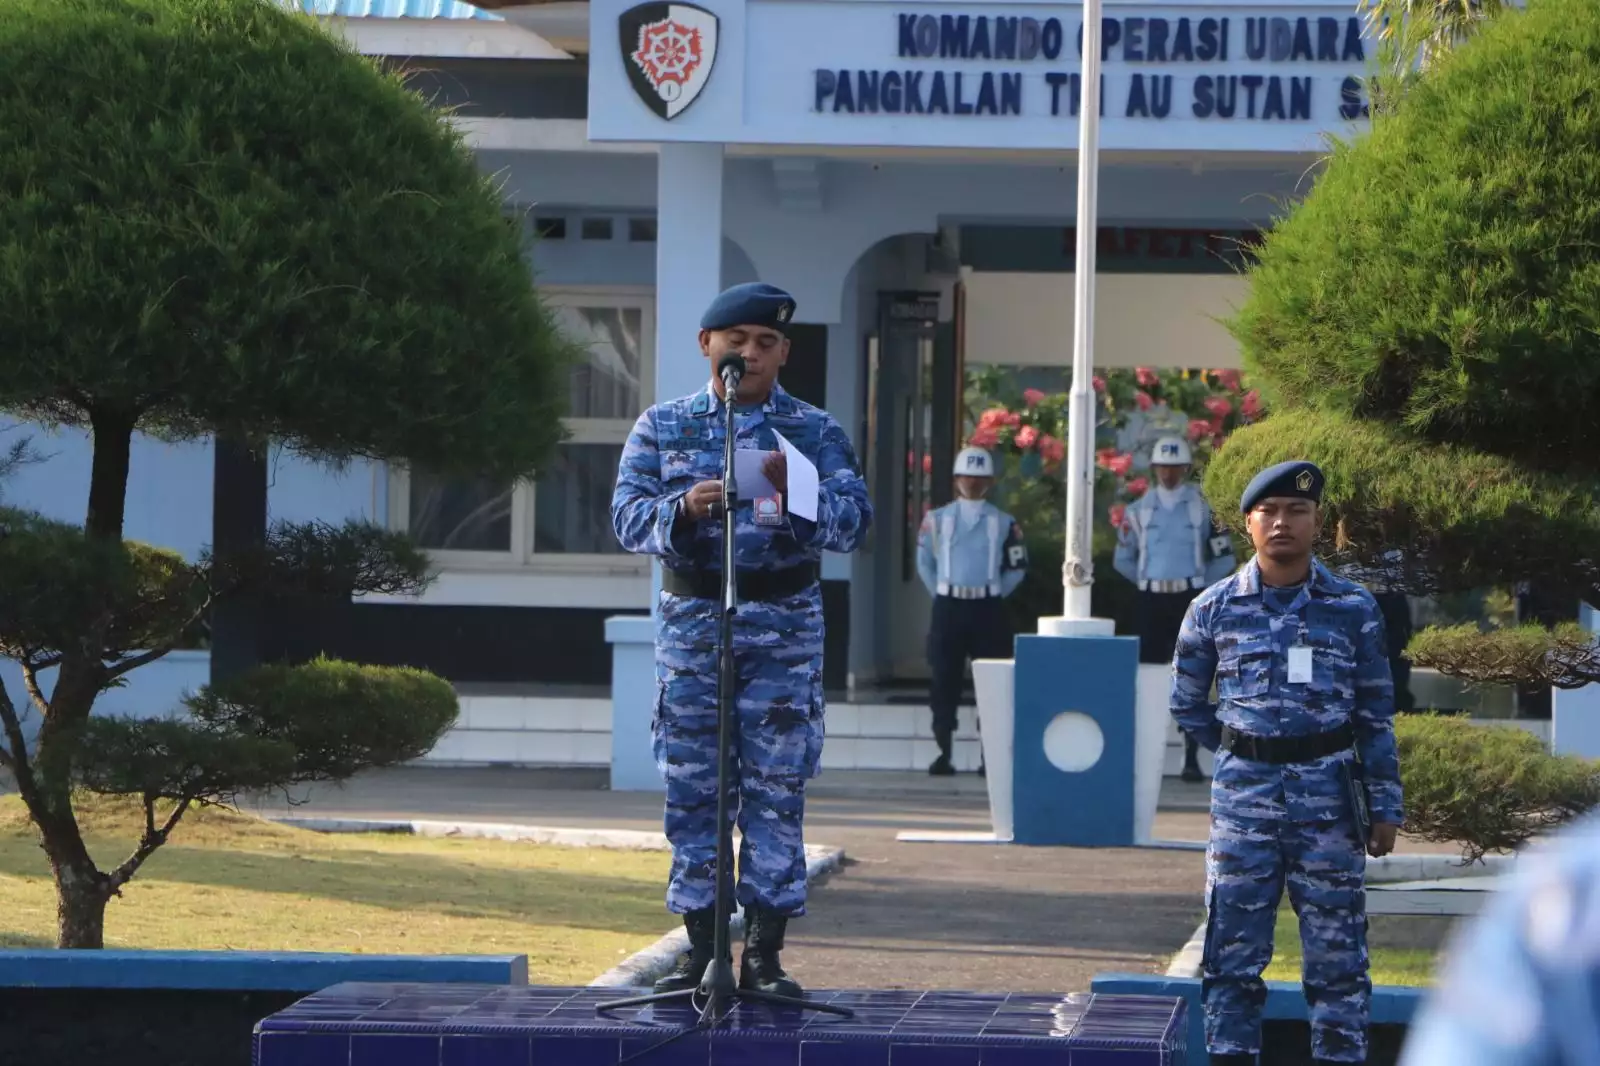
(1077, 627)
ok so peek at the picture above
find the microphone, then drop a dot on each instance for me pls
(731, 368)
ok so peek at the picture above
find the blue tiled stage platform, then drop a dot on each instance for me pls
(481, 1025)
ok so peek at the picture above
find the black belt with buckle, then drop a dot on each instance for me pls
(1283, 750)
(750, 585)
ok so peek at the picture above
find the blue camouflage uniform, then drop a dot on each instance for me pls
(1278, 816)
(970, 556)
(1521, 983)
(777, 641)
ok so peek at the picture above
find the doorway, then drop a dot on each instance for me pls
(911, 392)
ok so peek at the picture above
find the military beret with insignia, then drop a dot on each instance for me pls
(754, 303)
(1296, 479)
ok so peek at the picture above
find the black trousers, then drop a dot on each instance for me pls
(961, 630)
(1160, 619)
(1396, 611)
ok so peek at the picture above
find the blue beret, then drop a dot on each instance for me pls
(1296, 479)
(753, 304)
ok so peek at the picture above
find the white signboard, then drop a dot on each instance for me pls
(1246, 77)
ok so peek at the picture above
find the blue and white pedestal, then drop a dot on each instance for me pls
(1074, 734)
(1075, 731)
(633, 702)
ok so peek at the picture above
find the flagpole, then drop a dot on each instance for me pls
(1078, 571)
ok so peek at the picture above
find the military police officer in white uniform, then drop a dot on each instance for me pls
(1170, 548)
(970, 555)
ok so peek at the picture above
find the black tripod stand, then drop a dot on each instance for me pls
(718, 990)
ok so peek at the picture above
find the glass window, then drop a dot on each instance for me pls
(608, 382)
(563, 510)
(449, 514)
(572, 501)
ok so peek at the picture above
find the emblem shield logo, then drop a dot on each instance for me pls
(668, 50)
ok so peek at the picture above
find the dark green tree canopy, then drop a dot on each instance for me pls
(1426, 322)
(216, 217)
(1442, 275)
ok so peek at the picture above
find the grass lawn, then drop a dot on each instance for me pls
(234, 881)
(1403, 948)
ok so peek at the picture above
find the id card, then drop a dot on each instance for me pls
(769, 511)
(1300, 665)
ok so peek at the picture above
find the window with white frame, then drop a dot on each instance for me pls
(562, 516)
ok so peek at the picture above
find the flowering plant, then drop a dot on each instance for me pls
(1026, 429)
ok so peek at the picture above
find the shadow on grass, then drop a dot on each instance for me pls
(14, 941)
(403, 882)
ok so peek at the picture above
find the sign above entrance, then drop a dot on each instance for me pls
(1185, 76)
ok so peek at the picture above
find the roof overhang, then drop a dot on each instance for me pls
(453, 39)
(564, 23)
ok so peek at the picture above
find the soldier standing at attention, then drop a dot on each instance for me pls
(1307, 775)
(1170, 548)
(970, 555)
(666, 504)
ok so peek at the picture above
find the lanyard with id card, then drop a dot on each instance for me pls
(1300, 662)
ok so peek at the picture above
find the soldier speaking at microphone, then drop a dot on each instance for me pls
(970, 555)
(1170, 548)
(1307, 780)
(667, 504)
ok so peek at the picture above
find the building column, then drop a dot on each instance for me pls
(688, 278)
(688, 260)
(688, 271)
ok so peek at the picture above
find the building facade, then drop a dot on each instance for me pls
(907, 171)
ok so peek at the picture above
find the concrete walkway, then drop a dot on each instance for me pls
(958, 916)
(962, 916)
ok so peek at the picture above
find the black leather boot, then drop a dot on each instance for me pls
(702, 927)
(763, 939)
(942, 766)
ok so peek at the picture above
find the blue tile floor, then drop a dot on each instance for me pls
(498, 1025)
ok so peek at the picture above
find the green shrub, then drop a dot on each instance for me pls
(269, 728)
(1487, 788)
(1440, 276)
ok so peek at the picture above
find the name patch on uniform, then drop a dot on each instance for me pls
(769, 511)
(1300, 665)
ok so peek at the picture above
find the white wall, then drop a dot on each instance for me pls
(1140, 319)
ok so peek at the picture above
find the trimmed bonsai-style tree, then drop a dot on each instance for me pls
(1424, 326)
(217, 219)
(1487, 788)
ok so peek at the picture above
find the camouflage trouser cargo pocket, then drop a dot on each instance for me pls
(657, 735)
(817, 715)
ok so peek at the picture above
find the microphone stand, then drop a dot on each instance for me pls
(719, 988)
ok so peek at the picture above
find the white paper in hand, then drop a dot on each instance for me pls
(803, 488)
(748, 478)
